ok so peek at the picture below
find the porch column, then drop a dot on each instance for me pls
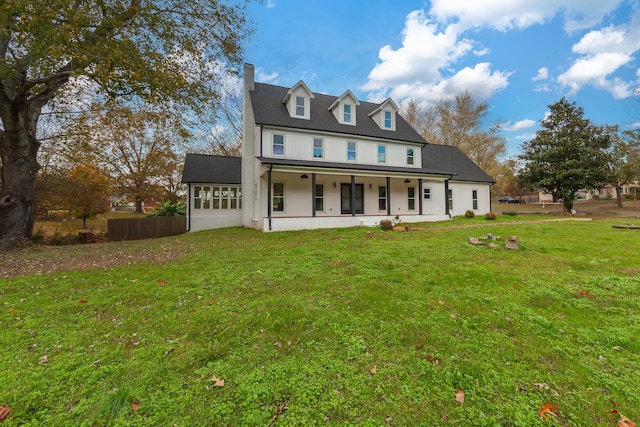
(446, 197)
(388, 196)
(420, 196)
(269, 195)
(313, 194)
(352, 196)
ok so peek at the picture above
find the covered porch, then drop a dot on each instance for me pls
(295, 198)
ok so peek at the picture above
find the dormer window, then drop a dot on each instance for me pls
(347, 113)
(344, 108)
(298, 101)
(387, 119)
(299, 106)
(385, 115)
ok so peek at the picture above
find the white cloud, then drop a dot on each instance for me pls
(425, 50)
(423, 67)
(526, 136)
(603, 52)
(594, 70)
(519, 125)
(266, 78)
(505, 15)
(543, 74)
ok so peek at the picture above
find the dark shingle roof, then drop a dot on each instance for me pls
(268, 109)
(212, 169)
(450, 158)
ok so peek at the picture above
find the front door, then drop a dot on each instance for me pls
(345, 197)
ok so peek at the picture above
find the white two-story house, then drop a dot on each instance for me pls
(318, 161)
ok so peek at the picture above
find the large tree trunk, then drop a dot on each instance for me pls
(618, 196)
(18, 150)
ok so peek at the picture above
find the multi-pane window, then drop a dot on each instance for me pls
(319, 197)
(347, 113)
(387, 119)
(382, 198)
(450, 199)
(351, 150)
(474, 198)
(299, 106)
(216, 197)
(278, 197)
(426, 193)
(382, 153)
(411, 198)
(409, 156)
(278, 145)
(318, 148)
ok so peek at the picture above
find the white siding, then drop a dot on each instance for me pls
(463, 197)
(299, 146)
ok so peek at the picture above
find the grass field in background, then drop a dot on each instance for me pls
(334, 327)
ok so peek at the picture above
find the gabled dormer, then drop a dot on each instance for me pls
(298, 101)
(385, 115)
(344, 108)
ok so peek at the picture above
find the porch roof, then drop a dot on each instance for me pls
(212, 169)
(350, 166)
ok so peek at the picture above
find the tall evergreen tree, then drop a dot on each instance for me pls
(568, 154)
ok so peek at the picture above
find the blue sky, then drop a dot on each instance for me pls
(519, 56)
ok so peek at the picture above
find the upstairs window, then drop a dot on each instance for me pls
(387, 119)
(299, 106)
(318, 148)
(409, 156)
(347, 113)
(382, 153)
(351, 150)
(278, 145)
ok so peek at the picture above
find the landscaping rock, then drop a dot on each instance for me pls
(476, 242)
(512, 243)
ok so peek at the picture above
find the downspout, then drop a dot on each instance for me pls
(269, 195)
(490, 185)
(446, 196)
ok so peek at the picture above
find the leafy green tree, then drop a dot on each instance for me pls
(624, 163)
(169, 52)
(568, 154)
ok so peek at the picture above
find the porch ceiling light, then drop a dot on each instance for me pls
(304, 176)
(406, 181)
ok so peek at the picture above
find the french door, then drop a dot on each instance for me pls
(345, 198)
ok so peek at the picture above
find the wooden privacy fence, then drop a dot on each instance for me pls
(145, 228)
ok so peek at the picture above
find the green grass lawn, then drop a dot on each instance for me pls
(334, 327)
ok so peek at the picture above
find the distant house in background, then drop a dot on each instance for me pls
(318, 161)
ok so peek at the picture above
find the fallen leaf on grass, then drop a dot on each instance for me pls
(460, 396)
(161, 282)
(374, 369)
(4, 411)
(623, 421)
(83, 301)
(440, 302)
(420, 344)
(217, 382)
(547, 409)
(586, 294)
(135, 406)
